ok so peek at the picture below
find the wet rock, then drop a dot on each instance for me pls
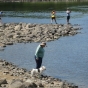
(16, 84)
(3, 81)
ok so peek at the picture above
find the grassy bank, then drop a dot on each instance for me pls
(27, 6)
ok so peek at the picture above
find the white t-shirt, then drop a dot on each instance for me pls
(68, 12)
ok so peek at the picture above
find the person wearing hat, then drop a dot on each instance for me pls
(68, 15)
(39, 54)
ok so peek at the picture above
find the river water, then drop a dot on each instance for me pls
(65, 58)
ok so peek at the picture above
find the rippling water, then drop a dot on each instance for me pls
(65, 58)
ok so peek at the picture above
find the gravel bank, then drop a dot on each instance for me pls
(11, 76)
(11, 33)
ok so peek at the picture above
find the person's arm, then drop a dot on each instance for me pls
(37, 52)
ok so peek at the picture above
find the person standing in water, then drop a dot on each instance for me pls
(68, 15)
(53, 16)
(1, 16)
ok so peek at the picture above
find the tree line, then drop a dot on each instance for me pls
(43, 0)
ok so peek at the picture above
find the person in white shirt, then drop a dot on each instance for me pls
(68, 15)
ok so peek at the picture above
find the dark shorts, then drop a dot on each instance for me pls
(38, 62)
(68, 17)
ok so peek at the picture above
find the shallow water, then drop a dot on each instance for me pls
(65, 58)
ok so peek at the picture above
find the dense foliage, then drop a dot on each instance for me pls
(37, 6)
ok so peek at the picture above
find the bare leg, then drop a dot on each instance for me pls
(51, 21)
(55, 20)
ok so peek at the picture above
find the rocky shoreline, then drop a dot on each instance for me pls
(11, 33)
(11, 76)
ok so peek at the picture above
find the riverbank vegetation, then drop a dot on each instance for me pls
(38, 6)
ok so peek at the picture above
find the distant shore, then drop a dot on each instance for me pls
(43, 1)
(11, 33)
(35, 5)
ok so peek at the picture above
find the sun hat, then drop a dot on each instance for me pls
(43, 43)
